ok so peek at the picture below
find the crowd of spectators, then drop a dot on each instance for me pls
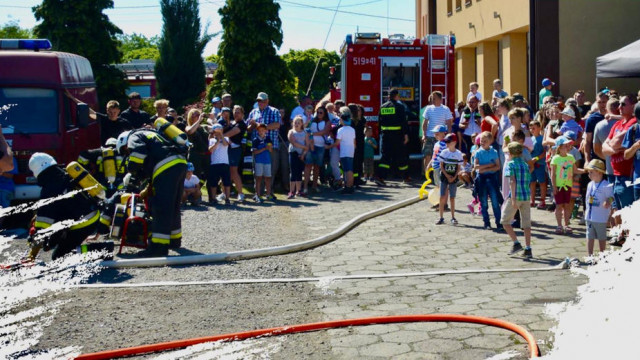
(579, 154)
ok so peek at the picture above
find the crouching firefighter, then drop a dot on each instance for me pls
(80, 208)
(394, 137)
(105, 164)
(152, 156)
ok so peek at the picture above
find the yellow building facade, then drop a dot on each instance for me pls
(524, 41)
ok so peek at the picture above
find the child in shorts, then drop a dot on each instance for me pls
(219, 168)
(370, 146)
(562, 169)
(261, 147)
(599, 198)
(191, 187)
(539, 174)
(450, 160)
(440, 145)
(517, 171)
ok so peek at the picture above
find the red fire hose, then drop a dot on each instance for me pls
(534, 351)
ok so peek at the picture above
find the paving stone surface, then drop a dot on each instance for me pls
(407, 240)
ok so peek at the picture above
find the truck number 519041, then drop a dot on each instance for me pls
(364, 60)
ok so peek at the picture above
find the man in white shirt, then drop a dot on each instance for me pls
(434, 115)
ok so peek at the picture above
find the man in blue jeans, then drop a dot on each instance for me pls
(632, 144)
(487, 166)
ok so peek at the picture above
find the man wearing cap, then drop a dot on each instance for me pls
(545, 91)
(137, 117)
(227, 101)
(270, 116)
(394, 138)
(217, 106)
(435, 116)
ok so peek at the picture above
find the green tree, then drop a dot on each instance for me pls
(81, 27)
(302, 63)
(138, 46)
(248, 62)
(180, 69)
(12, 30)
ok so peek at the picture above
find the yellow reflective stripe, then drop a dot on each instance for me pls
(176, 236)
(355, 175)
(159, 240)
(105, 220)
(247, 172)
(390, 128)
(83, 160)
(167, 163)
(90, 219)
(136, 159)
(403, 167)
(41, 225)
(384, 166)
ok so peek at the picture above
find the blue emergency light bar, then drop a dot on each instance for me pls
(25, 44)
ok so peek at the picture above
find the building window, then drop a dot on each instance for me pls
(458, 5)
(449, 7)
(467, 3)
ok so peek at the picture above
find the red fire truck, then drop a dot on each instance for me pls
(371, 66)
(44, 106)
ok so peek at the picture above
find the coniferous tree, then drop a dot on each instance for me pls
(81, 27)
(248, 60)
(180, 69)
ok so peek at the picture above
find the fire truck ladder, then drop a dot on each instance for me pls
(438, 64)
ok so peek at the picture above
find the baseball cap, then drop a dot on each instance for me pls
(547, 82)
(441, 128)
(216, 99)
(569, 112)
(561, 141)
(226, 95)
(190, 167)
(450, 138)
(597, 165)
(518, 97)
(262, 96)
(225, 109)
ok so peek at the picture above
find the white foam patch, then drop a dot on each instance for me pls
(20, 330)
(601, 323)
(324, 284)
(238, 350)
(505, 355)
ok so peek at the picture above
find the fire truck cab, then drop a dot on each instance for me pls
(371, 66)
(44, 106)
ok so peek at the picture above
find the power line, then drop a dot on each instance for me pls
(344, 11)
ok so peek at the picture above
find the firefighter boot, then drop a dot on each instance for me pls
(175, 244)
(154, 250)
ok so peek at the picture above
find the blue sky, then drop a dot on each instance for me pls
(303, 25)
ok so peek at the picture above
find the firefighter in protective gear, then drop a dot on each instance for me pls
(81, 208)
(105, 164)
(394, 136)
(152, 156)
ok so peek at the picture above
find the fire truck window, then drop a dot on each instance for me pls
(28, 111)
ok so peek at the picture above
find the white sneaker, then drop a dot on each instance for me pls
(241, 198)
(221, 197)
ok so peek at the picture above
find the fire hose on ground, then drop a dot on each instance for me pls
(534, 351)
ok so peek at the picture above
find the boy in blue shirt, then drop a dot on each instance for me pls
(487, 165)
(539, 174)
(261, 147)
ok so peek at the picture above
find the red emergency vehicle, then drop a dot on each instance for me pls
(372, 65)
(44, 106)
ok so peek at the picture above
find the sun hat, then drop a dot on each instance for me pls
(597, 165)
(569, 112)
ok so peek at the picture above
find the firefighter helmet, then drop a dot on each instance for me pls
(39, 162)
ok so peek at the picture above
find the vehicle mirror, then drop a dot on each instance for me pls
(82, 112)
